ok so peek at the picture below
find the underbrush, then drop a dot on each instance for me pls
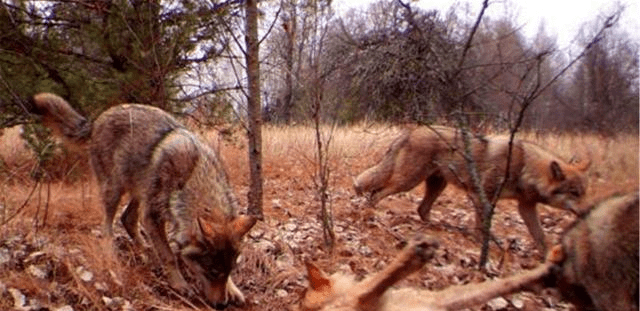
(56, 227)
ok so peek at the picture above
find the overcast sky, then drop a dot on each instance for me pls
(561, 18)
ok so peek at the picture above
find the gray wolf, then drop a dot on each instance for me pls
(598, 266)
(435, 155)
(595, 267)
(340, 292)
(171, 177)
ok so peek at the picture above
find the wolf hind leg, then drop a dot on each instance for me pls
(111, 195)
(130, 220)
(435, 184)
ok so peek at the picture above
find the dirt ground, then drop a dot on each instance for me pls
(67, 265)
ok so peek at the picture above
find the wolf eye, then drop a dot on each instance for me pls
(213, 274)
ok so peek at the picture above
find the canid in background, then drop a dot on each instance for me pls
(341, 293)
(435, 155)
(599, 266)
(595, 268)
(171, 176)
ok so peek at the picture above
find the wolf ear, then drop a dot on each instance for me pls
(317, 279)
(241, 225)
(206, 229)
(583, 165)
(556, 171)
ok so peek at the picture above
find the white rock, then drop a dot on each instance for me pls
(37, 271)
(5, 256)
(517, 302)
(126, 306)
(84, 274)
(113, 303)
(275, 203)
(365, 250)
(282, 293)
(256, 233)
(290, 226)
(498, 303)
(19, 300)
(64, 308)
(101, 286)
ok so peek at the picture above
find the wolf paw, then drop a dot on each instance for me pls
(234, 295)
(178, 283)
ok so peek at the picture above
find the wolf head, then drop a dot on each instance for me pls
(321, 289)
(340, 292)
(566, 185)
(211, 253)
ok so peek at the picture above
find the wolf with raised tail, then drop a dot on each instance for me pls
(171, 177)
(435, 155)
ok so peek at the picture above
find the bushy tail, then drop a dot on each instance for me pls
(65, 122)
(376, 176)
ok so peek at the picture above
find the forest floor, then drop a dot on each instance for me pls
(53, 255)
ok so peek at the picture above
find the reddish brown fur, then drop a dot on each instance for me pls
(599, 267)
(341, 293)
(434, 155)
(171, 177)
(595, 267)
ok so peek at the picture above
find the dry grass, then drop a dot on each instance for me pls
(74, 216)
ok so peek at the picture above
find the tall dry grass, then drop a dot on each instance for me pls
(289, 155)
(292, 149)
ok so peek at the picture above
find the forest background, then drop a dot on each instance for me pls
(334, 91)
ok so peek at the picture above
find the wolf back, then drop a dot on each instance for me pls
(172, 177)
(435, 155)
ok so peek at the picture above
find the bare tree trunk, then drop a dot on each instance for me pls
(253, 110)
(291, 32)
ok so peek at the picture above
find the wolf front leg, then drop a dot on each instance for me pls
(410, 260)
(529, 215)
(234, 295)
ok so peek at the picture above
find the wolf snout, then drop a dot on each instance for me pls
(571, 207)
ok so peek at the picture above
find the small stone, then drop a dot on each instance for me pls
(275, 203)
(126, 306)
(64, 308)
(37, 271)
(365, 250)
(97, 233)
(113, 303)
(282, 293)
(256, 234)
(101, 286)
(517, 302)
(84, 274)
(19, 300)
(290, 226)
(498, 304)
(5, 256)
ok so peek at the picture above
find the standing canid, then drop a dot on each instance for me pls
(341, 293)
(171, 177)
(599, 266)
(435, 155)
(595, 267)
